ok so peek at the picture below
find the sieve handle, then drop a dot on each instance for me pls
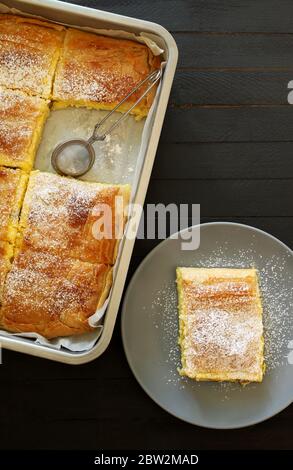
(152, 79)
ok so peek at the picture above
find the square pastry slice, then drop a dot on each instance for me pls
(98, 71)
(52, 295)
(12, 188)
(22, 119)
(6, 253)
(74, 218)
(220, 324)
(29, 51)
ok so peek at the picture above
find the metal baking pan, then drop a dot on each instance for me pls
(80, 16)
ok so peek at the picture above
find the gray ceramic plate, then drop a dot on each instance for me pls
(150, 328)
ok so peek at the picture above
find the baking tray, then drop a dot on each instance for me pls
(80, 16)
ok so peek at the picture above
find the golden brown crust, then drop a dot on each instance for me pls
(62, 270)
(221, 332)
(64, 216)
(6, 253)
(52, 295)
(21, 121)
(29, 50)
(6, 19)
(12, 187)
(99, 71)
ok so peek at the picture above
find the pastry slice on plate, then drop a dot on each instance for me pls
(220, 324)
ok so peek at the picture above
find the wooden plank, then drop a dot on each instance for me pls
(216, 87)
(229, 124)
(222, 50)
(227, 160)
(223, 198)
(206, 15)
(72, 422)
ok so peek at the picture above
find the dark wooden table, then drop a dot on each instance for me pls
(227, 144)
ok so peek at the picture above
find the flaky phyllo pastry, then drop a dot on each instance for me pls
(62, 269)
(220, 324)
(29, 52)
(22, 119)
(98, 71)
(55, 262)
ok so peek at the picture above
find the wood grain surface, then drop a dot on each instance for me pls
(227, 143)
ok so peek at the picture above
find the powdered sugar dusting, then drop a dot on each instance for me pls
(216, 328)
(59, 208)
(22, 69)
(95, 68)
(81, 84)
(165, 319)
(223, 326)
(62, 216)
(26, 55)
(275, 292)
(42, 287)
(53, 198)
(37, 274)
(18, 120)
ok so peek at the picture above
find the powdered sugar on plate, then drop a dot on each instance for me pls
(273, 278)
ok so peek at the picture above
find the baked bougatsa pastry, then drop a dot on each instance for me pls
(62, 267)
(73, 218)
(12, 187)
(98, 71)
(6, 253)
(22, 119)
(220, 323)
(29, 51)
(52, 295)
